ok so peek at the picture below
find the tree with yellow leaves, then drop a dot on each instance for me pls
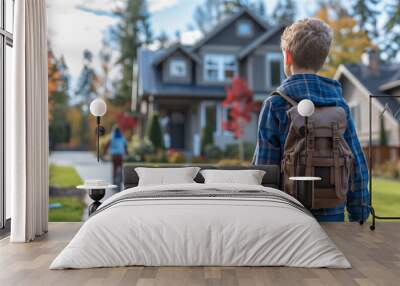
(57, 99)
(349, 42)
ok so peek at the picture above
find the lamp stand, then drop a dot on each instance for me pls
(306, 138)
(99, 132)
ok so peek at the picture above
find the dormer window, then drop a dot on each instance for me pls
(244, 28)
(177, 68)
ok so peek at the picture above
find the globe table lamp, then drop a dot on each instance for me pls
(306, 108)
(98, 108)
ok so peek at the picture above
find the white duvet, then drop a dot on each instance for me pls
(200, 231)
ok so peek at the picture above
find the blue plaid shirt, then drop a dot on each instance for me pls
(273, 129)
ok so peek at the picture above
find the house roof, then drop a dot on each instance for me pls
(373, 81)
(259, 41)
(225, 23)
(173, 48)
(150, 82)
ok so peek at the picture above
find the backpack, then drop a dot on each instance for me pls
(328, 155)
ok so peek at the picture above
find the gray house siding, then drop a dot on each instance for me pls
(256, 65)
(166, 75)
(258, 72)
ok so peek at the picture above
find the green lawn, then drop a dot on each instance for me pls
(71, 209)
(71, 206)
(64, 177)
(386, 197)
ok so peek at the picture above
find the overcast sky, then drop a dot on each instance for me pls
(75, 25)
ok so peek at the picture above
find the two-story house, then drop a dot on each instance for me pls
(186, 84)
(380, 79)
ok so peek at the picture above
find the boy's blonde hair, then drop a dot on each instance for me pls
(308, 41)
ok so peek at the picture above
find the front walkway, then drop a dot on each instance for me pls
(87, 166)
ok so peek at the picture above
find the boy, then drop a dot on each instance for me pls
(305, 46)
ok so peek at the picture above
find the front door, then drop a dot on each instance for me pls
(177, 129)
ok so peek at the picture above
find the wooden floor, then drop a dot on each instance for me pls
(375, 257)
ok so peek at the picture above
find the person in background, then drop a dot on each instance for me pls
(117, 147)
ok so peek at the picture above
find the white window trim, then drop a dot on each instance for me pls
(354, 104)
(173, 62)
(220, 60)
(244, 22)
(269, 58)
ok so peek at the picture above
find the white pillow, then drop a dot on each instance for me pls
(166, 176)
(248, 177)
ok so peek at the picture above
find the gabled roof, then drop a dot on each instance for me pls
(225, 23)
(259, 41)
(389, 85)
(164, 54)
(372, 81)
(150, 82)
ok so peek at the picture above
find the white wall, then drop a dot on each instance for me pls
(354, 96)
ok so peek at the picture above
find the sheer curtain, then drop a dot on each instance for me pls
(27, 125)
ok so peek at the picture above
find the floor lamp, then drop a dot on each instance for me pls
(373, 213)
(98, 108)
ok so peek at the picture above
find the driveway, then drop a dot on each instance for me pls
(87, 166)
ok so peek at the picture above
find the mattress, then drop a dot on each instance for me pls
(201, 225)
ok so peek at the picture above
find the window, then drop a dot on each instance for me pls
(6, 43)
(177, 68)
(219, 68)
(244, 28)
(274, 69)
(356, 114)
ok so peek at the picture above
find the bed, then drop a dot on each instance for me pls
(197, 224)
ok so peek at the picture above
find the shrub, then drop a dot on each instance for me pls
(154, 132)
(212, 152)
(63, 176)
(176, 157)
(199, 160)
(232, 151)
(389, 170)
(139, 148)
(207, 136)
(160, 156)
(232, 162)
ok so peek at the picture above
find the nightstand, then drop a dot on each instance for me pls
(96, 193)
(305, 190)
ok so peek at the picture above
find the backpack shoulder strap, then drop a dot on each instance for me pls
(285, 97)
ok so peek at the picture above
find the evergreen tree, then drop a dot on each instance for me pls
(154, 132)
(132, 32)
(207, 136)
(58, 85)
(383, 140)
(284, 12)
(392, 30)
(366, 13)
(86, 90)
(163, 39)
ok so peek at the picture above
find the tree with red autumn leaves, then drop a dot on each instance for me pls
(240, 104)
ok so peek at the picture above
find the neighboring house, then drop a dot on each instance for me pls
(372, 77)
(186, 84)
